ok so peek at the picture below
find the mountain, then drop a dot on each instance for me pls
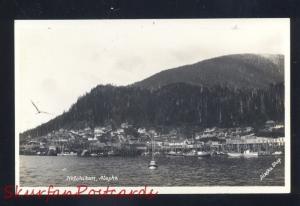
(235, 71)
(226, 91)
(174, 105)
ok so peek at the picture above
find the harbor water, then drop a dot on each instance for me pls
(133, 171)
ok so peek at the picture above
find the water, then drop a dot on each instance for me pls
(133, 171)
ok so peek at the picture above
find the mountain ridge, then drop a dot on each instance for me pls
(177, 101)
(235, 70)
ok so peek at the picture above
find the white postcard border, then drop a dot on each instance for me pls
(180, 189)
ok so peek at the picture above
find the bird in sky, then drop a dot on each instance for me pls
(37, 109)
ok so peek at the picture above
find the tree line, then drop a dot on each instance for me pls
(178, 104)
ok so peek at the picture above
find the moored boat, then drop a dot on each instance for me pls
(145, 153)
(192, 153)
(246, 153)
(203, 154)
(111, 153)
(234, 154)
(220, 153)
(152, 165)
(67, 154)
(173, 153)
(277, 153)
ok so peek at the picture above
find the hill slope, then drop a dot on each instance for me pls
(236, 71)
(201, 94)
(172, 105)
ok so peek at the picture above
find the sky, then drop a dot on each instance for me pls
(56, 61)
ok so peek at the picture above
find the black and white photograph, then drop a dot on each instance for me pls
(182, 106)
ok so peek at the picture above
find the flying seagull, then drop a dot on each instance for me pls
(37, 109)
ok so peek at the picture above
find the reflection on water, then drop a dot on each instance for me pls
(133, 171)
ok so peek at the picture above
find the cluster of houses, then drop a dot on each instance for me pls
(127, 139)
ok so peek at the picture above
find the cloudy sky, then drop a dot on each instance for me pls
(57, 61)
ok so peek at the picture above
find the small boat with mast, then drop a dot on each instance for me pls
(152, 165)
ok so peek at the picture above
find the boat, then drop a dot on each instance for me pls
(101, 154)
(111, 153)
(192, 153)
(145, 153)
(246, 153)
(52, 151)
(235, 154)
(203, 154)
(264, 153)
(67, 154)
(277, 153)
(152, 165)
(173, 153)
(220, 153)
(73, 154)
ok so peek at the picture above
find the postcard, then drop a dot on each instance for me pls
(152, 106)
